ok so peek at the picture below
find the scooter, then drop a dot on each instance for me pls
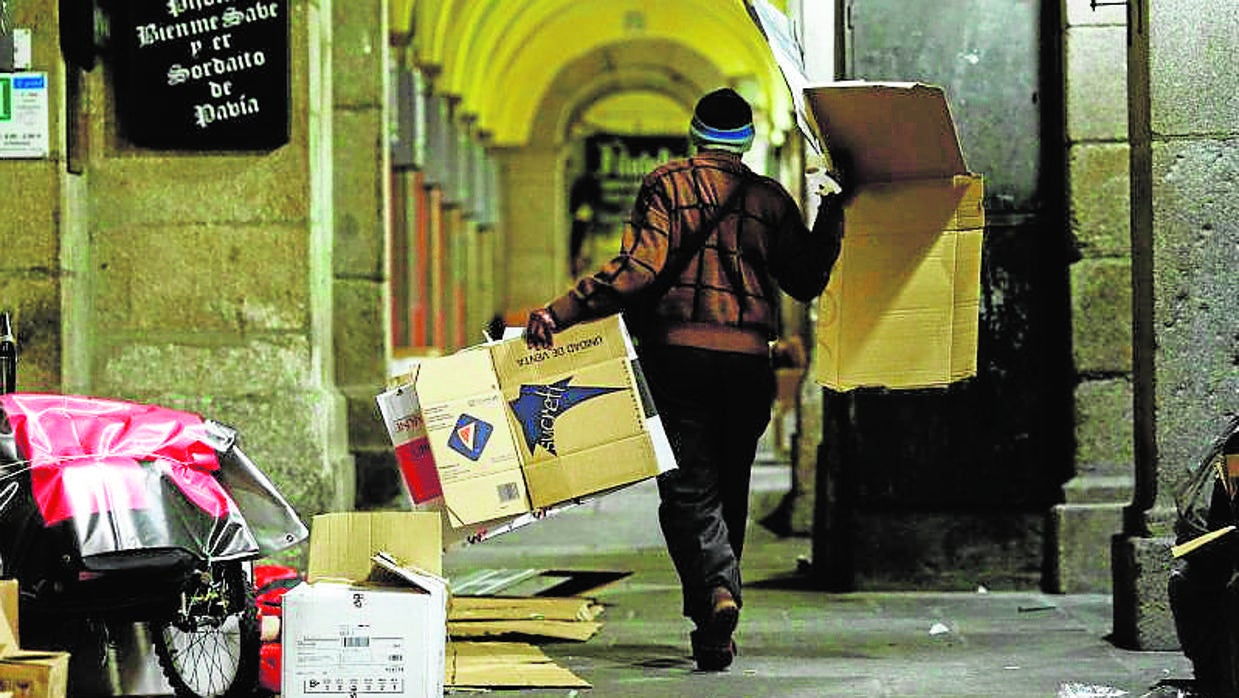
(115, 513)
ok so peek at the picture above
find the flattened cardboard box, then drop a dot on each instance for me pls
(902, 308)
(515, 433)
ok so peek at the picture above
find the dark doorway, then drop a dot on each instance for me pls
(949, 488)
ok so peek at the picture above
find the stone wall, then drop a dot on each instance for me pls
(209, 274)
(34, 263)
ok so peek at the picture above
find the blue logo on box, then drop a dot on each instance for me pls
(32, 83)
(470, 437)
(539, 406)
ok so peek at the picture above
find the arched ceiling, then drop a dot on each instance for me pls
(645, 66)
(501, 58)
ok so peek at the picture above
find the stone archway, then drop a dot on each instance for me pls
(534, 176)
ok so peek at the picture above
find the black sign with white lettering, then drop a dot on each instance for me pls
(618, 164)
(202, 74)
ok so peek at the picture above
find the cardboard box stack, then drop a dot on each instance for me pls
(366, 622)
(372, 621)
(499, 435)
(902, 306)
(27, 673)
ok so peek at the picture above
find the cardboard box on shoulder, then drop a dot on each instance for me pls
(499, 435)
(27, 673)
(383, 631)
(902, 306)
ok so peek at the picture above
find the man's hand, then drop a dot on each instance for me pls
(826, 176)
(540, 330)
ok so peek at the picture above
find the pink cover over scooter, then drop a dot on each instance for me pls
(91, 455)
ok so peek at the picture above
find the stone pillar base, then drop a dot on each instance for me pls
(1078, 528)
(1074, 535)
(1142, 617)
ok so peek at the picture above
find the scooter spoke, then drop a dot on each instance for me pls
(207, 659)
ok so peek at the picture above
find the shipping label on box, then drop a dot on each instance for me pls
(902, 309)
(515, 433)
(364, 639)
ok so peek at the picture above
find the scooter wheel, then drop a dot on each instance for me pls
(212, 651)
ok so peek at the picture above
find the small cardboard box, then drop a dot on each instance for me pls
(383, 635)
(902, 306)
(27, 673)
(35, 674)
(514, 433)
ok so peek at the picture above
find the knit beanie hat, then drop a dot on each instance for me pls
(722, 121)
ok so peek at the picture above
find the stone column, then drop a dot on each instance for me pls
(1095, 56)
(536, 222)
(1185, 155)
(794, 515)
(211, 278)
(361, 201)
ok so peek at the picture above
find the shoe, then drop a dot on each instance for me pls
(713, 648)
(711, 657)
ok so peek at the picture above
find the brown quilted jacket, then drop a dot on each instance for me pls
(726, 297)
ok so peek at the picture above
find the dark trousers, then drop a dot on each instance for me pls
(714, 406)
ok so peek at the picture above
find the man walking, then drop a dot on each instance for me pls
(708, 247)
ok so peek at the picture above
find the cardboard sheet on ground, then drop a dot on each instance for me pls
(498, 436)
(574, 631)
(575, 608)
(902, 309)
(567, 618)
(505, 665)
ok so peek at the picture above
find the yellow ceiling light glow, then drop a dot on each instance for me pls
(501, 57)
(637, 113)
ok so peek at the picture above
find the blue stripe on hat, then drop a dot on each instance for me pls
(733, 135)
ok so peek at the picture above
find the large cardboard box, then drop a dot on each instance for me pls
(498, 435)
(383, 635)
(902, 306)
(27, 673)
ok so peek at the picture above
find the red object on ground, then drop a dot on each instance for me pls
(269, 666)
(271, 582)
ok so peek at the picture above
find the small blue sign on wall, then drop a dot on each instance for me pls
(25, 127)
